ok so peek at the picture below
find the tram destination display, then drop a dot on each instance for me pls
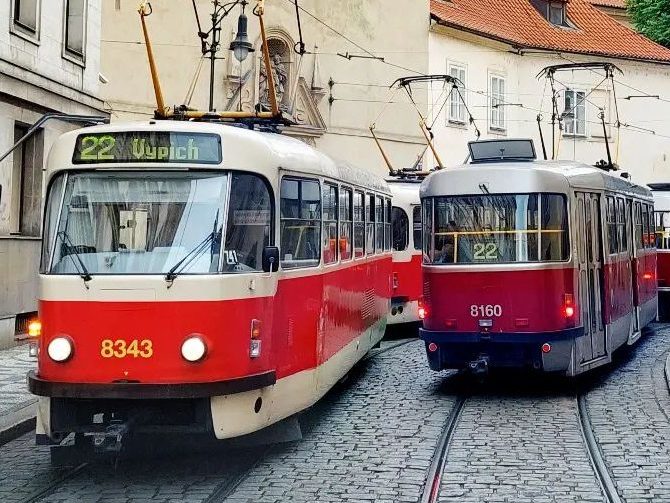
(147, 146)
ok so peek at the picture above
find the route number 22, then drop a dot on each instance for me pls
(488, 251)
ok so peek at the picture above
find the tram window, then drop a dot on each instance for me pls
(554, 240)
(612, 231)
(662, 228)
(329, 223)
(346, 223)
(427, 224)
(622, 220)
(51, 210)
(379, 225)
(370, 225)
(359, 224)
(400, 229)
(497, 228)
(645, 226)
(639, 242)
(141, 223)
(388, 222)
(300, 223)
(416, 220)
(652, 230)
(249, 224)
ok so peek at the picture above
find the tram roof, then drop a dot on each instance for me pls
(243, 149)
(525, 177)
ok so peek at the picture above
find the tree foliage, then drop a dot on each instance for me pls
(652, 19)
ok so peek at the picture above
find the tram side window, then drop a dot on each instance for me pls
(346, 223)
(645, 226)
(416, 219)
(622, 221)
(370, 225)
(379, 226)
(427, 222)
(612, 231)
(359, 224)
(388, 222)
(652, 230)
(329, 224)
(662, 228)
(300, 223)
(400, 229)
(249, 228)
(639, 242)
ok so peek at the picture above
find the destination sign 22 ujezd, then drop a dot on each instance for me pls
(147, 146)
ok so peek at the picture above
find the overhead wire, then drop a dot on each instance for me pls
(352, 42)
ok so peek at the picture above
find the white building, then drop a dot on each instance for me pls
(497, 48)
(49, 63)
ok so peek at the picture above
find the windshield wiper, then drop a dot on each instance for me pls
(188, 258)
(79, 263)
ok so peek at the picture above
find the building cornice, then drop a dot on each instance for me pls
(18, 76)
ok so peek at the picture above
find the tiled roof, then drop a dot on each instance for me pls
(519, 24)
(617, 4)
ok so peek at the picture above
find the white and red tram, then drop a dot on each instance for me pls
(661, 192)
(202, 277)
(407, 246)
(547, 265)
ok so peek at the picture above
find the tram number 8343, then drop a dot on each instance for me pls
(488, 310)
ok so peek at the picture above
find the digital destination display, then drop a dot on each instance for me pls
(147, 146)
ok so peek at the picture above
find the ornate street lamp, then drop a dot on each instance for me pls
(241, 46)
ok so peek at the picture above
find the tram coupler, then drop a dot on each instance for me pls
(111, 440)
(480, 366)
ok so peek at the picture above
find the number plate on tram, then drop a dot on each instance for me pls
(120, 348)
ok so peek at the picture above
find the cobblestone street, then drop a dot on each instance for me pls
(373, 438)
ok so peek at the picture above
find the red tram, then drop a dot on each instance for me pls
(200, 277)
(549, 265)
(406, 218)
(661, 192)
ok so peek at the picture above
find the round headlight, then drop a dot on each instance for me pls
(193, 349)
(60, 349)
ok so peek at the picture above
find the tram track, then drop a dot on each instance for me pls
(600, 469)
(40, 494)
(431, 489)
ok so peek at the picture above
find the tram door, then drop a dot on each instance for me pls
(590, 255)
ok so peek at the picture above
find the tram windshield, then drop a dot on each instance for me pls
(153, 222)
(496, 228)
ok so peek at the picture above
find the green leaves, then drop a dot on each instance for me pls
(652, 19)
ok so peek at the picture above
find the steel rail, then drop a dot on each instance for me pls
(378, 352)
(595, 454)
(49, 489)
(431, 489)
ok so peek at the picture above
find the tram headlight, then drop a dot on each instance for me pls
(60, 349)
(193, 349)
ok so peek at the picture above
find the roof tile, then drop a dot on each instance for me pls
(518, 23)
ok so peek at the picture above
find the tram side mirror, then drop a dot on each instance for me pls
(270, 259)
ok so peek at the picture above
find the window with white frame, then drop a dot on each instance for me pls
(26, 15)
(574, 114)
(456, 104)
(497, 102)
(75, 28)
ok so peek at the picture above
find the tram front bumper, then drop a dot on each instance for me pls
(456, 350)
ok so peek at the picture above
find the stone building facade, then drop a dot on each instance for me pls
(49, 63)
(355, 50)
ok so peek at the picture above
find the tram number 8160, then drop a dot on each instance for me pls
(488, 310)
